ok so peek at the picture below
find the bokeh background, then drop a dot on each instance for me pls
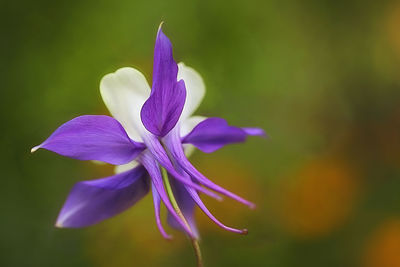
(321, 77)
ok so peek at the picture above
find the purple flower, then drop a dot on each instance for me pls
(151, 132)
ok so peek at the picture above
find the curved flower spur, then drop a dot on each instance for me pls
(149, 140)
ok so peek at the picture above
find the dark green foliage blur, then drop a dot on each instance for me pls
(321, 77)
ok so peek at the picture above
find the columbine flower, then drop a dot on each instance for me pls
(149, 135)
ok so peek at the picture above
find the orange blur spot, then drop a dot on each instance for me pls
(393, 26)
(383, 248)
(318, 199)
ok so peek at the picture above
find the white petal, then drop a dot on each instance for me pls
(126, 167)
(98, 162)
(124, 93)
(186, 127)
(188, 149)
(188, 124)
(195, 89)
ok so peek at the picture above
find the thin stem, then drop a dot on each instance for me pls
(175, 205)
(197, 251)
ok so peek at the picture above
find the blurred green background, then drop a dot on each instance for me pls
(321, 77)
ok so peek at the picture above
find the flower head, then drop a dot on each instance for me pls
(149, 139)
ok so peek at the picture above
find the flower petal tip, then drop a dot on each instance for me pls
(252, 206)
(33, 149)
(244, 232)
(58, 225)
(261, 133)
(160, 26)
(255, 132)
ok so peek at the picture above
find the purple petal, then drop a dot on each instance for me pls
(175, 148)
(162, 110)
(157, 201)
(213, 133)
(186, 205)
(254, 131)
(93, 137)
(90, 202)
(155, 174)
(188, 196)
(158, 152)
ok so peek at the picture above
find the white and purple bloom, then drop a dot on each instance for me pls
(151, 132)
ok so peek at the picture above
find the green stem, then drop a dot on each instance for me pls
(171, 197)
